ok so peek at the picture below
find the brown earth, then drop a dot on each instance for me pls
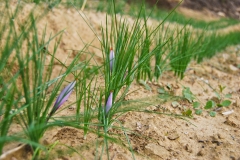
(163, 135)
(223, 8)
(218, 8)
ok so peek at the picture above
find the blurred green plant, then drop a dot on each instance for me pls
(29, 85)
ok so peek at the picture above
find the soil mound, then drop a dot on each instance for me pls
(220, 7)
(223, 8)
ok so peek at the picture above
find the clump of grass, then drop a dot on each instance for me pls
(198, 24)
(215, 42)
(132, 56)
(162, 57)
(32, 81)
(88, 97)
(181, 50)
(144, 71)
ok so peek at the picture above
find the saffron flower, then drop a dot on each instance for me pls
(109, 102)
(111, 58)
(63, 97)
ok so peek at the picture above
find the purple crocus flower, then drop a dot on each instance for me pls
(111, 58)
(109, 102)
(63, 96)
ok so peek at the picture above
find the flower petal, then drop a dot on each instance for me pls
(111, 58)
(63, 96)
(109, 102)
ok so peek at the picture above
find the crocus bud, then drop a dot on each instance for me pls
(109, 102)
(111, 58)
(63, 96)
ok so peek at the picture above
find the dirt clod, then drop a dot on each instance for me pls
(188, 148)
(172, 135)
(233, 121)
(201, 153)
(155, 149)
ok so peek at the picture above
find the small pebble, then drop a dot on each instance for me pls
(201, 153)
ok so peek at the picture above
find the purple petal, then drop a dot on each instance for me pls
(111, 58)
(109, 102)
(64, 95)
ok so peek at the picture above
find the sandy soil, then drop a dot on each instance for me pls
(153, 136)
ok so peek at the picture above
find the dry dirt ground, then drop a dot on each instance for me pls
(154, 136)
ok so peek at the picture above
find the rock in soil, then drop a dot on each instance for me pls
(233, 121)
(155, 149)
